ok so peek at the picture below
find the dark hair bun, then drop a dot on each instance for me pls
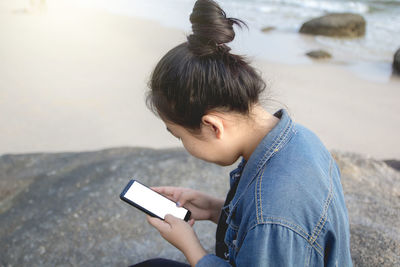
(211, 28)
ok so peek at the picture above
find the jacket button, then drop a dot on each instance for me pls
(234, 242)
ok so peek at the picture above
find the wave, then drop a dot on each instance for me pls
(326, 6)
(286, 16)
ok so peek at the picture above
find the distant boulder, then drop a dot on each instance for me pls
(336, 25)
(396, 62)
(395, 164)
(268, 29)
(319, 54)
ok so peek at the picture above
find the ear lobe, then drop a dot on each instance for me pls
(215, 124)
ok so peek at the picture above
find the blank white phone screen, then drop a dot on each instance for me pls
(153, 202)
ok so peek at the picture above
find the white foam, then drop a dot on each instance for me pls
(329, 6)
(287, 16)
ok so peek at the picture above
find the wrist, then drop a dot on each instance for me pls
(216, 211)
(194, 254)
(214, 217)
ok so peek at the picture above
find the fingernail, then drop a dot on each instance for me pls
(178, 204)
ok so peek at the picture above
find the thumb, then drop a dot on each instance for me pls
(185, 196)
(160, 225)
(170, 219)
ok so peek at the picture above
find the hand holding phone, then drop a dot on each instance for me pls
(151, 202)
(174, 230)
(201, 205)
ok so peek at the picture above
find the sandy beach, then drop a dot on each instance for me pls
(75, 80)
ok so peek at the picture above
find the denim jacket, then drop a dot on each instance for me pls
(289, 208)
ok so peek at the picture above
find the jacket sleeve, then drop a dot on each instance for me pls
(268, 245)
(273, 245)
(212, 260)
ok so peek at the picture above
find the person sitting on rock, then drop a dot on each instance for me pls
(285, 206)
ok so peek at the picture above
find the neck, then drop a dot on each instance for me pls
(257, 127)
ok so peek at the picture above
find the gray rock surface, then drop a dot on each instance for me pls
(319, 54)
(63, 209)
(336, 25)
(396, 63)
(372, 193)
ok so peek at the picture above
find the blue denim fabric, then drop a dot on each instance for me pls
(289, 208)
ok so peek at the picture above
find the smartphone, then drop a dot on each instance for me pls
(151, 202)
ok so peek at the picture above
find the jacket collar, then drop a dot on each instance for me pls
(269, 146)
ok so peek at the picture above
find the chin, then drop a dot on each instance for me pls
(221, 161)
(225, 162)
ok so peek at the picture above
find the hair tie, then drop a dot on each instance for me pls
(222, 48)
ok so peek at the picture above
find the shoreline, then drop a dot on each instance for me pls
(283, 43)
(76, 82)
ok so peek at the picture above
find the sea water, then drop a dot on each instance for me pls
(284, 44)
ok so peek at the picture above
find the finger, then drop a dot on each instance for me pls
(191, 222)
(186, 196)
(160, 189)
(176, 197)
(157, 223)
(171, 220)
(166, 190)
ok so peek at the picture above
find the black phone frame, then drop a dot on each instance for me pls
(123, 198)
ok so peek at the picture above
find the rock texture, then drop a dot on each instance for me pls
(319, 54)
(336, 25)
(372, 193)
(396, 63)
(63, 209)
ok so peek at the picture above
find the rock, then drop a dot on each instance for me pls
(395, 164)
(396, 63)
(319, 54)
(268, 29)
(372, 194)
(336, 25)
(64, 208)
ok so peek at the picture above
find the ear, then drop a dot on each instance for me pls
(215, 124)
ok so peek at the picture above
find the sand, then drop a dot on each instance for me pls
(75, 80)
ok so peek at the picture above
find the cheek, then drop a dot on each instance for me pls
(211, 153)
(226, 154)
(227, 159)
(198, 149)
(191, 147)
